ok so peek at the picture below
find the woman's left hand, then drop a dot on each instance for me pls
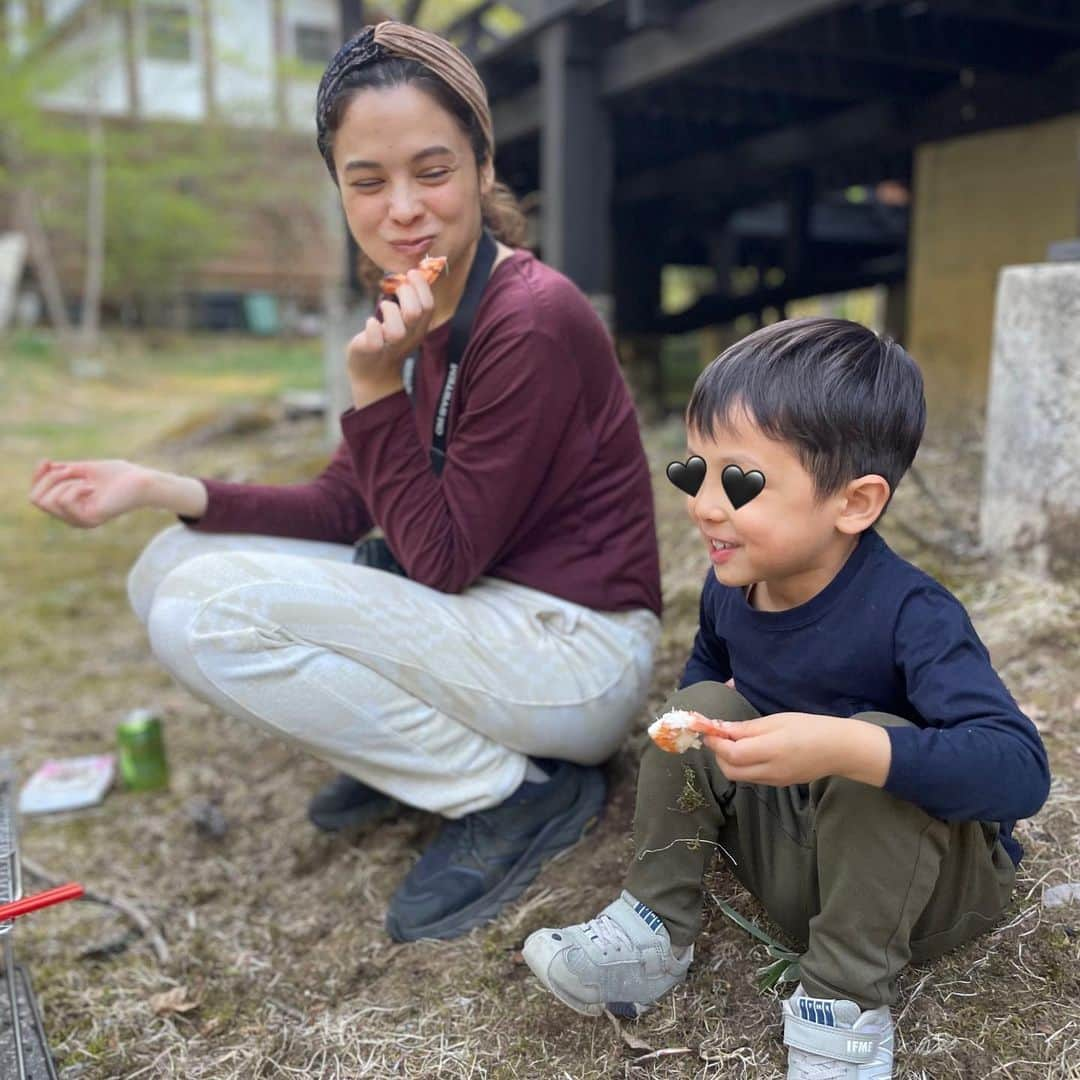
(376, 354)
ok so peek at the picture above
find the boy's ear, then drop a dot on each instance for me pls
(862, 503)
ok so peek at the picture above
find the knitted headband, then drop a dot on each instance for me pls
(398, 40)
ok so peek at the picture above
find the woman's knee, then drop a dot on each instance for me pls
(198, 657)
(178, 602)
(167, 550)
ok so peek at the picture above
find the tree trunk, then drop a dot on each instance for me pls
(94, 270)
(29, 221)
(94, 273)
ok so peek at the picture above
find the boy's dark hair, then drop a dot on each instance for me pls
(848, 401)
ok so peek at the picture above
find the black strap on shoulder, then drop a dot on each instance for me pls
(460, 329)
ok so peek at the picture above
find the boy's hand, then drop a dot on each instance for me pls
(797, 748)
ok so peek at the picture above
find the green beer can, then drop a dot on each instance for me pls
(142, 752)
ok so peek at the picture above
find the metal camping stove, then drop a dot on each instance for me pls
(24, 1052)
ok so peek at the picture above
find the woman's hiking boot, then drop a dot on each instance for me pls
(346, 802)
(479, 863)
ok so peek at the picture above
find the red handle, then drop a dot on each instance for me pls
(71, 891)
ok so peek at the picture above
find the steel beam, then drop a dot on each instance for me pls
(576, 160)
(698, 35)
(880, 127)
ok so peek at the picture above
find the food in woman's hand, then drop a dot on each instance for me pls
(431, 267)
(678, 731)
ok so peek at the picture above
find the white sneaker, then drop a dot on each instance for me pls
(621, 961)
(833, 1039)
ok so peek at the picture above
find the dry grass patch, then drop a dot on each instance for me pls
(275, 932)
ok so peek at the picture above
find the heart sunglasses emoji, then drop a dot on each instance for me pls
(740, 487)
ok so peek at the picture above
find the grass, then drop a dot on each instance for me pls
(276, 931)
(141, 397)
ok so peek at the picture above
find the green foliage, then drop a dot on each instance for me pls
(176, 195)
(25, 135)
(785, 963)
(166, 207)
(28, 344)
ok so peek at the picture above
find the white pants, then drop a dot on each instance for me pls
(432, 698)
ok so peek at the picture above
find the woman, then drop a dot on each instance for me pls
(489, 679)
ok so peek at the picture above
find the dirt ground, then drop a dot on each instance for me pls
(277, 962)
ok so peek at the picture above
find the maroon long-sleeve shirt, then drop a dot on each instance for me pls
(545, 483)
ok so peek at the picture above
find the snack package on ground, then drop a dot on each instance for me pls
(67, 784)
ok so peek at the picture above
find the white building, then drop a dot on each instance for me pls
(252, 65)
(245, 61)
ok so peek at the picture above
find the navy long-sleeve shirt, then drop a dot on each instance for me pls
(883, 636)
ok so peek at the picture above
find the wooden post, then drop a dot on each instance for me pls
(131, 60)
(94, 268)
(281, 91)
(209, 67)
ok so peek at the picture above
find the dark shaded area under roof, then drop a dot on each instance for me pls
(651, 126)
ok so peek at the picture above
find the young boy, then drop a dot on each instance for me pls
(872, 764)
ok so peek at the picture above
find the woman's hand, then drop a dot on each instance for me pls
(376, 354)
(89, 493)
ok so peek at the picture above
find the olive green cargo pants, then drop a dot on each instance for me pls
(865, 882)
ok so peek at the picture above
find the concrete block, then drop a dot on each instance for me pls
(1031, 474)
